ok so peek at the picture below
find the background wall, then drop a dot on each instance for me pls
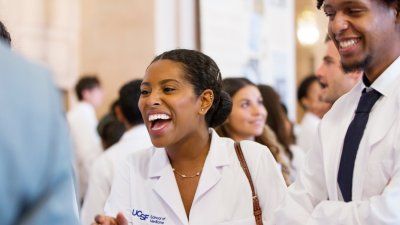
(46, 31)
(117, 39)
(117, 42)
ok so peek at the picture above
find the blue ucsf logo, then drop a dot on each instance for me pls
(140, 214)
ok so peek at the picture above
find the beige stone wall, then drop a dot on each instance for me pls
(46, 31)
(117, 42)
(114, 39)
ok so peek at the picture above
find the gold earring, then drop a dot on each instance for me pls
(202, 110)
(211, 97)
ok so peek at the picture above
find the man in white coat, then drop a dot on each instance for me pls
(335, 82)
(82, 122)
(135, 138)
(309, 98)
(352, 175)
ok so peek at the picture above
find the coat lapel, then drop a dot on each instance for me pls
(384, 116)
(333, 132)
(164, 184)
(218, 156)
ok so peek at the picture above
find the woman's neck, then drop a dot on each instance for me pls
(238, 137)
(191, 152)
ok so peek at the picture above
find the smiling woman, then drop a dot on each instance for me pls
(247, 120)
(191, 175)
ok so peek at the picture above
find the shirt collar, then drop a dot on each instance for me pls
(388, 81)
(218, 155)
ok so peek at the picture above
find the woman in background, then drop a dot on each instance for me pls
(247, 119)
(280, 124)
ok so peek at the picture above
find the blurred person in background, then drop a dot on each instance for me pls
(4, 35)
(82, 123)
(247, 121)
(310, 99)
(134, 139)
(110, 129)
(111, 132)
(277, 120)
(36, 175)
(335, 82)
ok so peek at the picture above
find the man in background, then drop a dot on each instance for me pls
(335, 82)
(36, 183)
(310, 99)
(83, 123)
(135, 138)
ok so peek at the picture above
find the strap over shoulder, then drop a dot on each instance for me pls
(256, 204)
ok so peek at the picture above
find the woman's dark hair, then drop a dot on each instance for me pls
(4, 35)
(111, 132)
(388, 2)
(129, 95)
(203, 73)
(233, 85)
(304, 87)
(276, 116)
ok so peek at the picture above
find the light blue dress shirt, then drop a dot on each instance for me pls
(36, 183)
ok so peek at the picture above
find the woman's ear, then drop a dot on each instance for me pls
(305, 102)
(206, 99)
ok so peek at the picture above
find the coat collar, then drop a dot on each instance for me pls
(218, 156)
(386, 83)
(163, 180)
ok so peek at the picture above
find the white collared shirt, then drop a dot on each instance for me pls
(315, 197)
(102, 171)
(82, 122)
(308, 131)
(145, 189)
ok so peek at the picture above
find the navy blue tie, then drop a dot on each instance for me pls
(352, 141)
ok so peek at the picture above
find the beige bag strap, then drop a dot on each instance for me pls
(256, 204)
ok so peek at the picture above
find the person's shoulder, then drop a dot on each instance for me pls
(16, 69)
(255, 151)
(140, 157)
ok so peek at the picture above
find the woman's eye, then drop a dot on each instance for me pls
(144, 92)
(244, 105)
(168, 89)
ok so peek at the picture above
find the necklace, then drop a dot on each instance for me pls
(186, 176)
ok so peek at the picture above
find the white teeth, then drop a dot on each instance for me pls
(158, 117)
(348, 43)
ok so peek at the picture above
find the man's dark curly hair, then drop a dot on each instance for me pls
(388, 2)
(4, 35)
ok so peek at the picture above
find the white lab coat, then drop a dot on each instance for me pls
(315, 197)
(82, 122)
(308, 131)
(145, 189)
(102, 171)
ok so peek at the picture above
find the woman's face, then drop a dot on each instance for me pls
(247, 119)
(168, 103)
